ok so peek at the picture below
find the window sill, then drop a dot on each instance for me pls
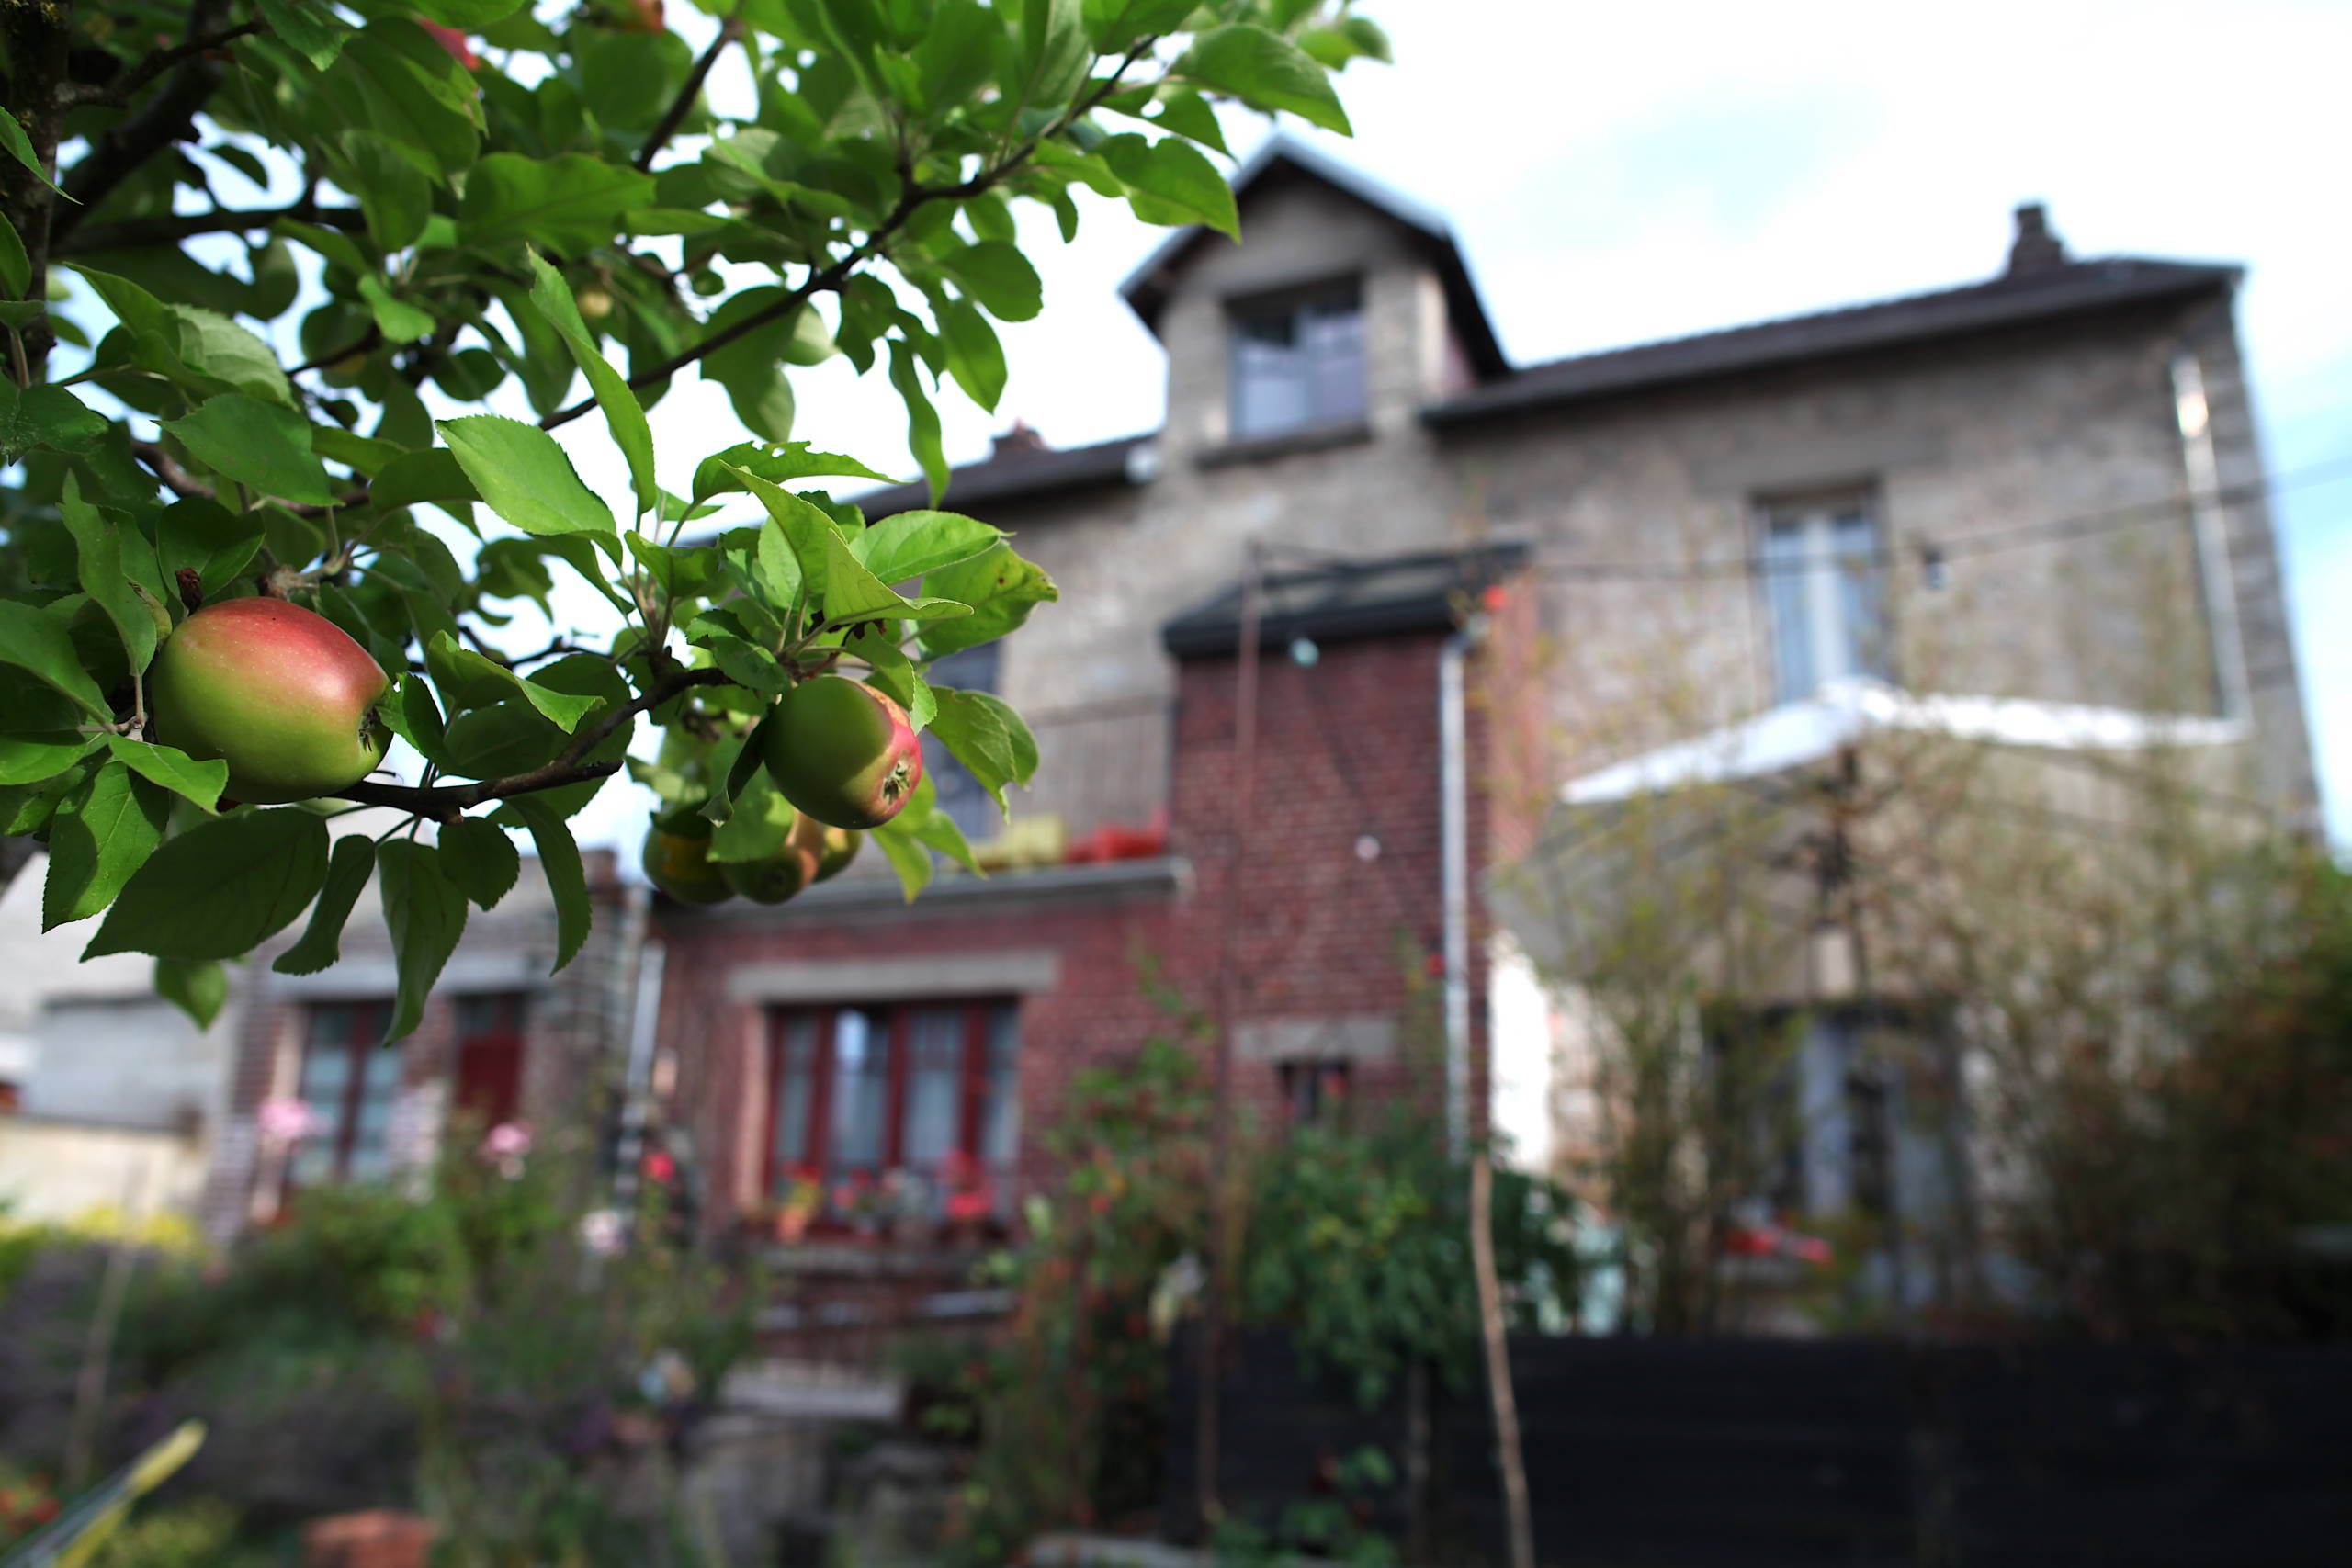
(1290, 443)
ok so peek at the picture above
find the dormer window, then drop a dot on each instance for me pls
(1298, 362)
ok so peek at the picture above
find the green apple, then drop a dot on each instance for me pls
(280, 694)
(775, 880)
(843, 752)
(833, 847)
(676, 858)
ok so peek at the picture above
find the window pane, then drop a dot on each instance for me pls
(1000, 1105)
(861, 1089)
(378, 1089)
(934, 1087)
(1784, 567)
(1860, 596)
(796, 1080)
(1334, 349)
(959, 793)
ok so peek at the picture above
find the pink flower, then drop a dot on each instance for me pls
(283, 1121)
(508, 1140)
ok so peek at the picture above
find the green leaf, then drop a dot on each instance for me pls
(479, 858)
(353, 862)
(43, 416)
(987, 737)
(1187, 113)
(922, 420)
(414, 477)
(104, 832)
(196, 990)
(427, 912)
(39, 644)
(471, 679)
(570, 203)
(28, 758)
(20, 146)
(624, 415)
(220, 889)
(16, 267)
(909, 859)
(1002, 587)
(1178, 176)
(974, 357)
(999, 277)
(200, 782)
(97, 547)
(207, 538)
(757, 827)
(747, 664)
(468, 15)
(560, 860)
(526, 477)
(1136, 20)
(907, 544)
(395, 80)
(399, 321)
(1265, 71)
(331, 243)
(265, 447)
(908, 690)
(716, 474)
(1053, 51)
(306, 27)
(395, 196)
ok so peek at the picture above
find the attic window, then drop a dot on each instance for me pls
(1298, 362)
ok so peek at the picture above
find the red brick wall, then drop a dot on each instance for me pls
(1347, 752)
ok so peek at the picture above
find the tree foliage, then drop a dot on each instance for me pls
(250, 248)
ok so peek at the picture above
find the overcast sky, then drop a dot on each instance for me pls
(1618, 173)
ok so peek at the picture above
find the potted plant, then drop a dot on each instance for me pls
(802, 1197)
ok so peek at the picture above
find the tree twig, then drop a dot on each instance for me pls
(450, 801)
(172, 228)
(162, 119)
(729, 31)
(158, 60)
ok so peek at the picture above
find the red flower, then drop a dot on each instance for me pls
(660, 1166)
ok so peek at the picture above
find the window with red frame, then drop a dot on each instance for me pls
(1314, 1092)
(929, 1090)
(349, 1083)
(489, 1086)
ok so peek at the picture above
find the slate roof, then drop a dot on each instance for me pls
(2010, 300)
(1347, 599)
(1027, 473)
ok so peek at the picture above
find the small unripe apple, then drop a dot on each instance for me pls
(843, 752)
(281, 694)
(775, 880)
(676, 858)
(594, 303)
(833, 847)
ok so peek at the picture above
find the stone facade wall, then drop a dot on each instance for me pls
(1642, 507)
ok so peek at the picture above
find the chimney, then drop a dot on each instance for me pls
(2036, 249)
(1021, 441)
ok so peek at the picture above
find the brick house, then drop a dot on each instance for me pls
(502, 1040)
(1589, 547)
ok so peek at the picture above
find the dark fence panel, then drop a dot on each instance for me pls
(1830, 1454)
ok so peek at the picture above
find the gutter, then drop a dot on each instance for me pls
(2210, 528)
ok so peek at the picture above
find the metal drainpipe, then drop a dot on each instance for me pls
(1453, 850)
(2209, 527)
